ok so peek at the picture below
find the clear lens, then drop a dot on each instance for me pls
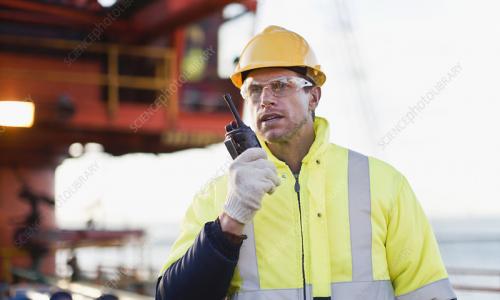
(279, 87)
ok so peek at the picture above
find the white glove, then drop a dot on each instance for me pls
(251, 175)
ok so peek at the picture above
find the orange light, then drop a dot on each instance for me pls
(17, 113)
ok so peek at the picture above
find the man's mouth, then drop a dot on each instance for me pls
(270, 117)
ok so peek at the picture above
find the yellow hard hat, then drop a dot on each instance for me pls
(278, 47)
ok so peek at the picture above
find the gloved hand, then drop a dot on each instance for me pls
(251, 175)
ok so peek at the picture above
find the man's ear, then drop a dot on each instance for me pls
(315, 95)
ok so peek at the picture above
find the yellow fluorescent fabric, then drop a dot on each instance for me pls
(404, 249)
(411, 246)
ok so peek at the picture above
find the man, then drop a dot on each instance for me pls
(301, 218)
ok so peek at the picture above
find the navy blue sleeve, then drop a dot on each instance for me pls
(204, 272)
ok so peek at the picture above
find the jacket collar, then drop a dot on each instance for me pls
(321, 141)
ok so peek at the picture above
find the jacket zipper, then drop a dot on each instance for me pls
(297, 190)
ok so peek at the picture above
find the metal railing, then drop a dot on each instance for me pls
(165, 70)
(486, 273)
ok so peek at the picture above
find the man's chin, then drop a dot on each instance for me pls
(272, 136)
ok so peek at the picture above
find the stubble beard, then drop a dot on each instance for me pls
(289, 134)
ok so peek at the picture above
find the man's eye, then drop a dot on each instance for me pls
(254, 89)
(278, 86)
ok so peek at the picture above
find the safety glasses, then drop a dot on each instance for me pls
(280, 87)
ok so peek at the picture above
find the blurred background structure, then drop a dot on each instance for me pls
(111, 120)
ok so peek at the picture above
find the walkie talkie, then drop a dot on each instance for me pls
(239, 136)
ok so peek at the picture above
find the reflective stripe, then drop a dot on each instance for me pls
(273, 294)
(372, 290)
(360, 216)
(363, 290)
(438, 290)
(247, 264)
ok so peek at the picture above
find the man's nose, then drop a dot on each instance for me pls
(267, 98)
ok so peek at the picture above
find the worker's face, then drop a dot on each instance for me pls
(278, 117)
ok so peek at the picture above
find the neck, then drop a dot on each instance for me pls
(295, 149)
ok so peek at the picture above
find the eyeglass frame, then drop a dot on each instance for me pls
(298, 81)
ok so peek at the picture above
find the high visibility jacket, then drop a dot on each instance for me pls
(347, 227)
